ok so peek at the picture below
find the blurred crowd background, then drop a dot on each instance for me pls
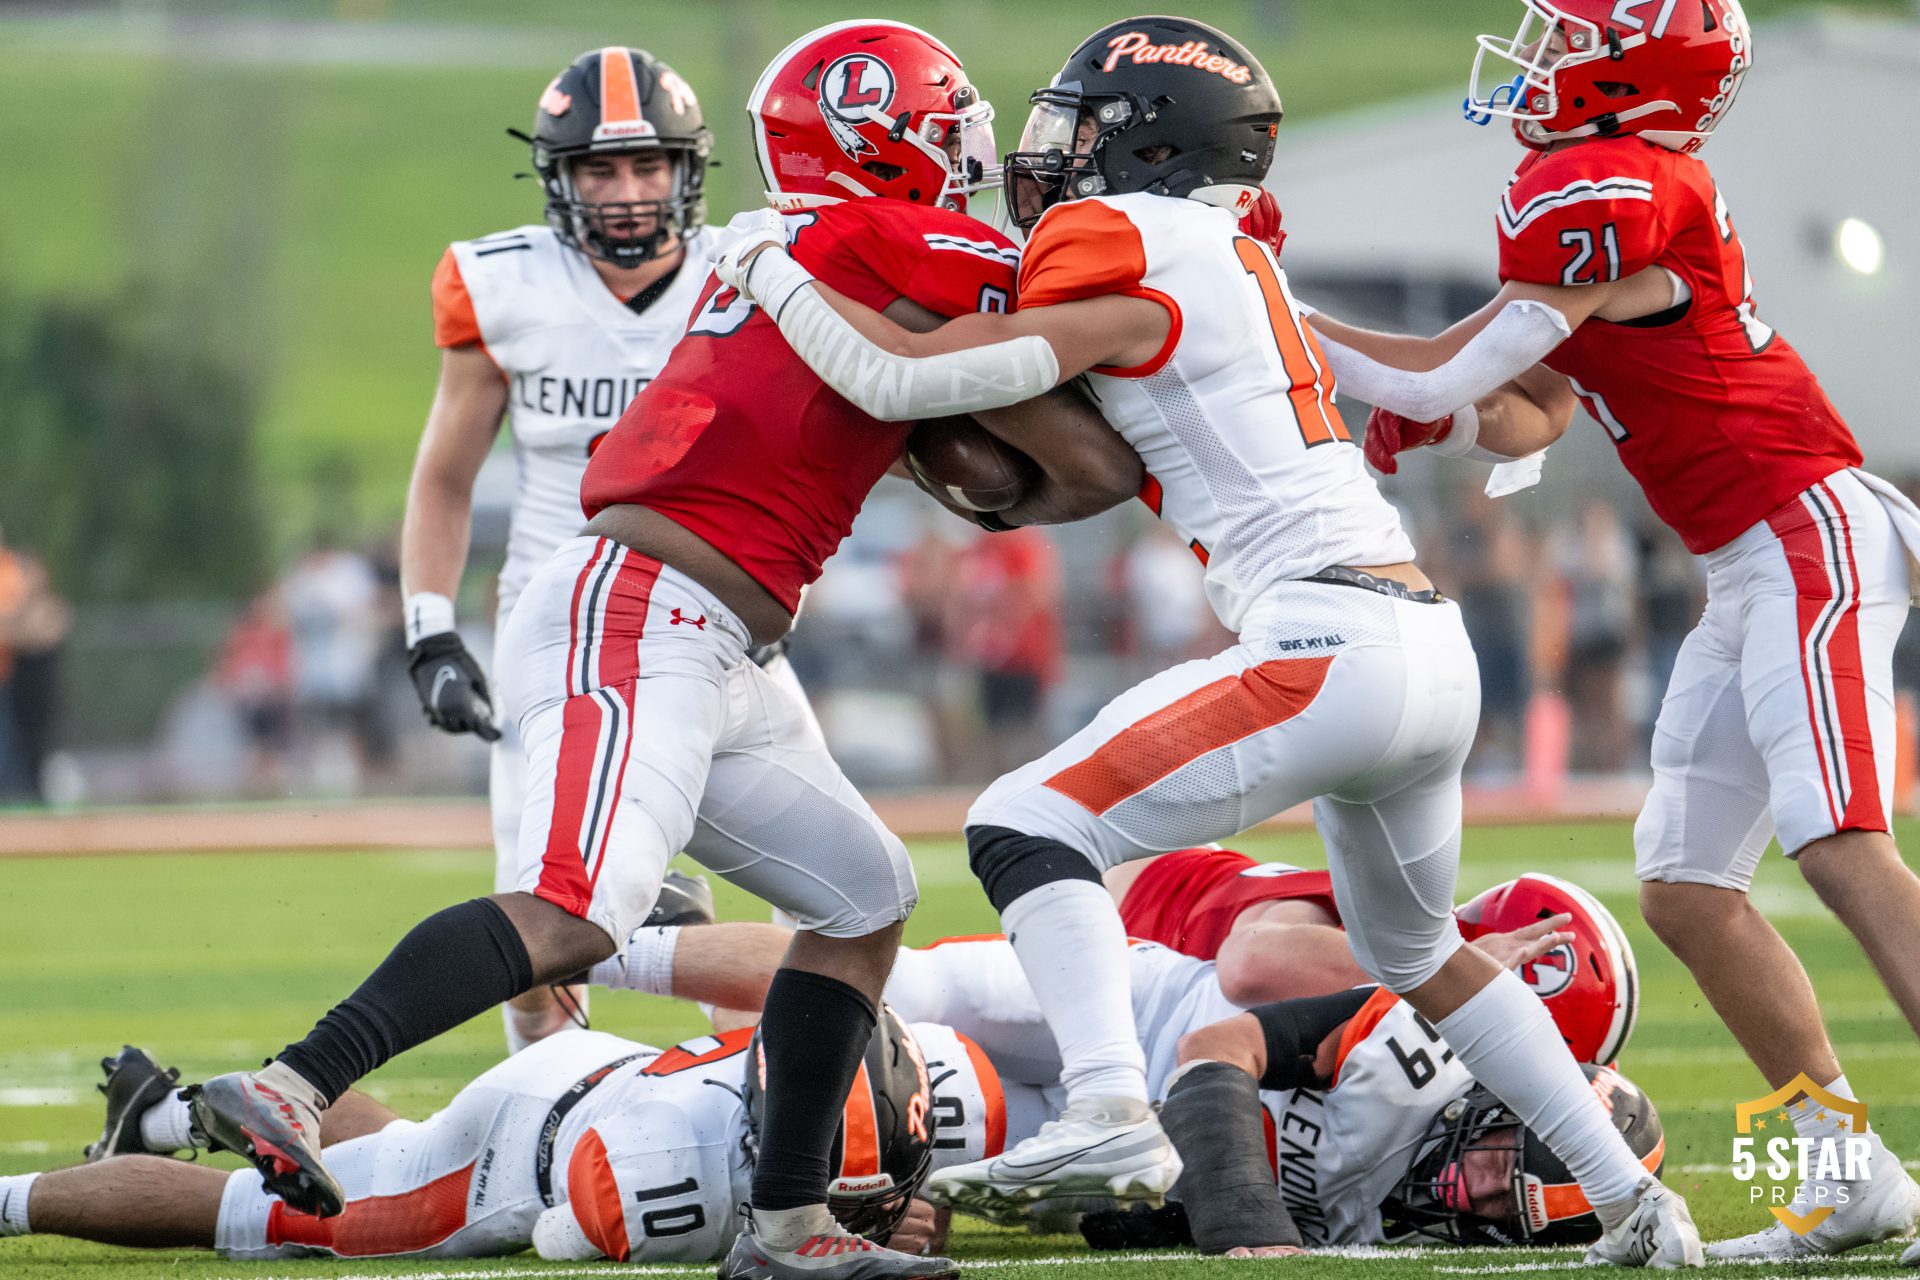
(215, 358)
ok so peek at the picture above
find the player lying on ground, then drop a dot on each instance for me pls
(648, 731)
(1625, 287)
(1352, 683)
(583, 1146)
(1273, 931)
(1358, 1105)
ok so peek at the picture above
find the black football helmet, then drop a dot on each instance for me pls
(1167, 105)
(884, 1149)
(614, 100)
(1522, 1194)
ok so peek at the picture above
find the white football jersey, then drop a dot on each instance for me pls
(664, 1136)
(1337, 1152)
(1246, 456)
(573, 355)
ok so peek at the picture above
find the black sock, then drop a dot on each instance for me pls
(451, 966)
(814, 1032)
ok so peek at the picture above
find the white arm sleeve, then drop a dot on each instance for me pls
(890, 387)
(1516, 340)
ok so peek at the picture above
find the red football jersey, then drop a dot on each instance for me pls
(1189, 900)
(739, 442)
(1715, 415)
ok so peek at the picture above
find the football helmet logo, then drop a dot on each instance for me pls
(1666, 70)
(1591, 985)
(1551, 974)
(849, 88)
(870, 108)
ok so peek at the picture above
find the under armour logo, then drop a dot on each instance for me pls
(678, 618)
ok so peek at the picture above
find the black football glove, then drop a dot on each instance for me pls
(452, 690)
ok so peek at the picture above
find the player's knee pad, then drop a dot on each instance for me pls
(1010, 865)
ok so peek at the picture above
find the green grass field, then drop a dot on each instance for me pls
(215, 961)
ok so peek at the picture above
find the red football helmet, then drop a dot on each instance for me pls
(1667, 70)
(1590, 985)
(871, 108)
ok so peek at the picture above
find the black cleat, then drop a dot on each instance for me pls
(134, 1083)
(837, 1255)
(278, 1135)
(683, 899)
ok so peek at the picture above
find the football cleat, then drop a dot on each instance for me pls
(279, 1136)
(1885, 1204)
(1911, 1258)
(1659, 1233)
(134, 1082)
(1099, 1148)
(683, 900)
(836, 1255)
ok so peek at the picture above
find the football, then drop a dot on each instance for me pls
(962, 461)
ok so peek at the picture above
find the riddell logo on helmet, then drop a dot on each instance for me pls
(610, 130)
(1771, 1163)
(855, 1186)
(1137, 46)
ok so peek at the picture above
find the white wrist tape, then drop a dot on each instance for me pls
(1516, 340)
(428, 614)
(647, 966)
(895, 388)
(772, 278)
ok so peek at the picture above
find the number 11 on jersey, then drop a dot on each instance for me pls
(1311, 383)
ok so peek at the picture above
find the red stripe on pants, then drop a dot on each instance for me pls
(1213, 716)
(1863, 812)
(1811, 560)
(563, 871)
(624, 623)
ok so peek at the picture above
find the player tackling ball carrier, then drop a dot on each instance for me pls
(1353, 683)
(1625, 288)
(712, 503)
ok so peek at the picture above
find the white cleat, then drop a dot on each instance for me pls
(1112, 1147)
(1911, 1258)
(1885, 1204)
(1659, 1233)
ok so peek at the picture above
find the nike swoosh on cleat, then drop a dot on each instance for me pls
(1033, 1170)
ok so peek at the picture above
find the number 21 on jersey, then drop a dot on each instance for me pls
(1310, 382)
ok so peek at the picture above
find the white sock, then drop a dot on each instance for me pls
(647, 966)
(788, 1229)
(1074, 951)
(167, 1125)
(280, 1077)
(1506, 1038)
(1815, 1122)
(14, 1192)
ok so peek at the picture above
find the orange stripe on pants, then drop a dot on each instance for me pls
(1211, 717)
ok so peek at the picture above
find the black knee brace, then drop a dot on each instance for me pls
(1010, 865)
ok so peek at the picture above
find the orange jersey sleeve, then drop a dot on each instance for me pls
(454, 323)
(1087, 249)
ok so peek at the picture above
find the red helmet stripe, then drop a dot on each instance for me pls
(861, 1158)
(619, 90)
